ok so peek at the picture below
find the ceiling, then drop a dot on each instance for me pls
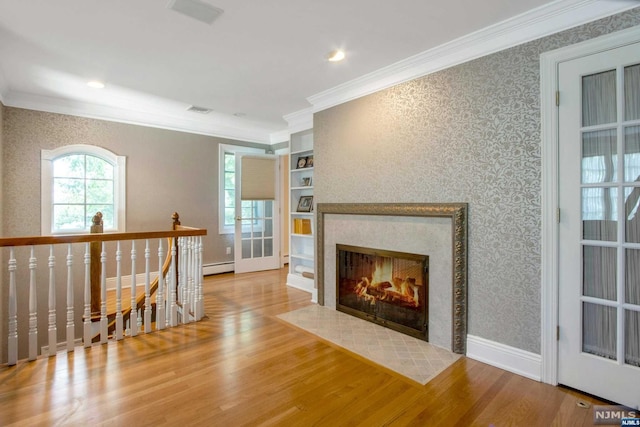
(259, 62)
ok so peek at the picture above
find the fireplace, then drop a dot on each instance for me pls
(385, 287)
(437, 229)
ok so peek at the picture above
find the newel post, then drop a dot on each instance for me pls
(176, 225)
(96, 267)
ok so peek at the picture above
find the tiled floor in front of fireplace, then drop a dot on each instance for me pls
(408, 356)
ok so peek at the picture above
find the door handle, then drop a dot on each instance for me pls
(238, 218)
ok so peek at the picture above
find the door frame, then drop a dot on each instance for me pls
(549, 63)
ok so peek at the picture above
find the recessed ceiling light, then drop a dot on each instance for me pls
(336, 55)
(95, 84)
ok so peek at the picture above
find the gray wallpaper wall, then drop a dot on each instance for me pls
(470, 133)
(167, 171)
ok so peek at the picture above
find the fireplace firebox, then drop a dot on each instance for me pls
(385, 287)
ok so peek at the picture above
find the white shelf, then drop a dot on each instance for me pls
(301, 246)
(302, 170)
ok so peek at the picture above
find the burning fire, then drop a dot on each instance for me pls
(384, 287)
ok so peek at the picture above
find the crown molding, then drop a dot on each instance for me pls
(300, 120)
(280, 136)
(542, 21)
(211, 124)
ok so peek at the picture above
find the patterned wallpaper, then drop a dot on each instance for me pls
(470, 133)
(152, 193)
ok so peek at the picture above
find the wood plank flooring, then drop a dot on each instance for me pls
(243, 366)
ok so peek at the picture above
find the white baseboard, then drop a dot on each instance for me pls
(217, 268)
(505, 357)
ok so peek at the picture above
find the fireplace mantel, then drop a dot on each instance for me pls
(456, 212)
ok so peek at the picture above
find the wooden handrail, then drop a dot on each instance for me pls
(105, 237)
(174, 309)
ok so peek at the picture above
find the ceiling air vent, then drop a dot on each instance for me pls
(195, 9)
(201, 110)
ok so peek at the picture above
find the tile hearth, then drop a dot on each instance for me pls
(408, 356)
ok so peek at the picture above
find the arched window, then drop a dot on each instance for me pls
(77, 182)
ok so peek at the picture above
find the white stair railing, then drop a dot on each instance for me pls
(173, 305)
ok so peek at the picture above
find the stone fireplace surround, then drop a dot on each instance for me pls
(435, 229)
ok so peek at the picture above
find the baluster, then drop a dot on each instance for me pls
(53, 332)
(147, 287)
(179, 275)
(173, 307)
(33, 308)
(191, 277)
(71, 335)
(104, 324)
(12, 345)
(87, 295)
(184, 279)
(133, 314)
(119, 325)
(199, 275)
(160, 310)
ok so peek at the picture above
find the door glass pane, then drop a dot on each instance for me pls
(599, 214)
(599, 330)
(632, 282)
(632, 337)
(246, 249)
(268, 208)
(599, 156)
(268, 227)
(268, 247)
(632, 92)
(599, 272)
(599, 98)
(632, 153)
(257, 248)
(632, 214)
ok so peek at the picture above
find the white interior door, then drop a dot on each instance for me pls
(599, 230)
(257, 228)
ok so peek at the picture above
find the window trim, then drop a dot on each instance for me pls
(46, 182)
(222, 149)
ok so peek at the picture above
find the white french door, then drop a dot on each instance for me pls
(599, 229)
(257, 225)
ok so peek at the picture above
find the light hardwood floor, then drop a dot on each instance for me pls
(243, 366)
